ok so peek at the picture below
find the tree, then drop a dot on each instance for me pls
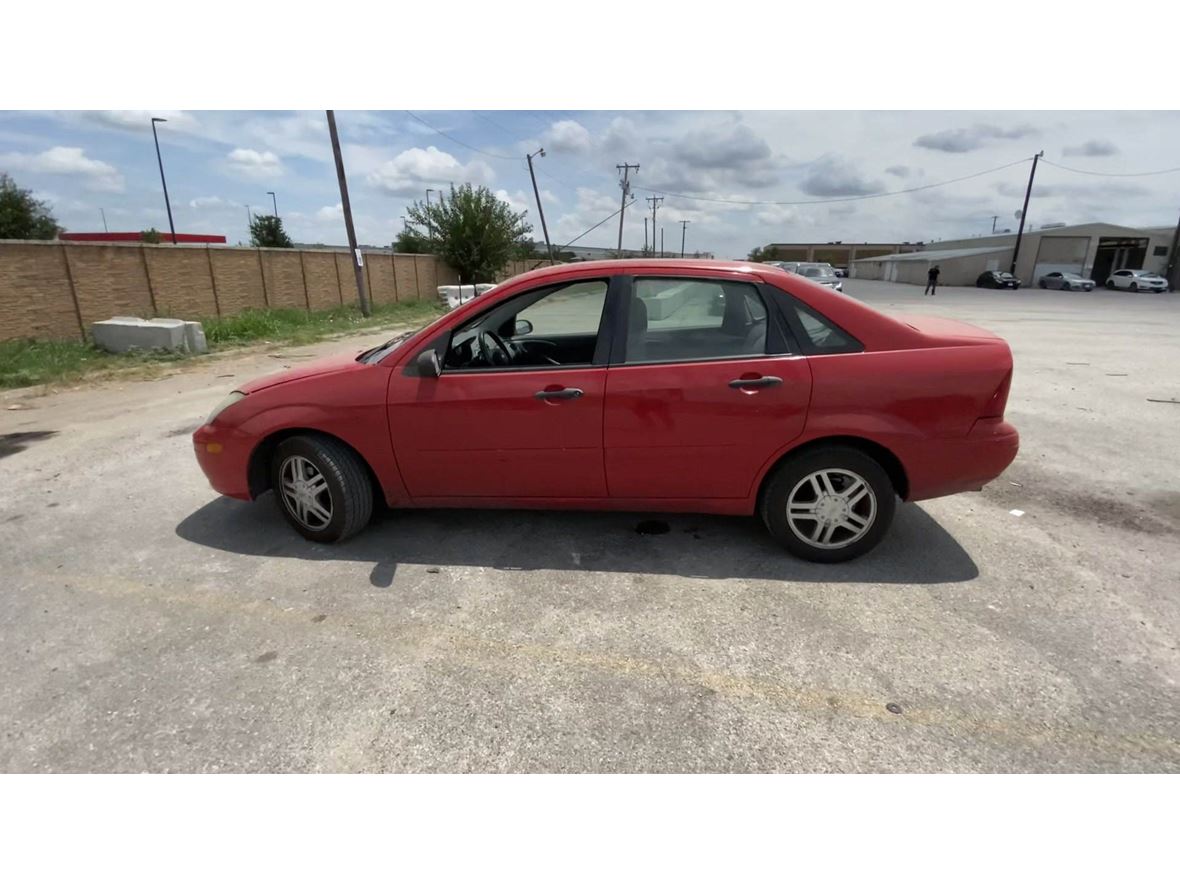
(21, 216)
(151, 235)
(410, 242)
(474, 232)
(763, 253)
(267, 230)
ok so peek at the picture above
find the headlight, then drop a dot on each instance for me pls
(224, 404)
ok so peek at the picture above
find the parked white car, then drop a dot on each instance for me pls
(1137, 281)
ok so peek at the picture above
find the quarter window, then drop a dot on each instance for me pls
(673, 320)
(824, 337)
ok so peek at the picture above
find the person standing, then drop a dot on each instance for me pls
(931, 281)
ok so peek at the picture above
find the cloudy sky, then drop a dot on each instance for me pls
(733, 175)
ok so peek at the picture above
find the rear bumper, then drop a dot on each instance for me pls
(224, 456)
(967, 464)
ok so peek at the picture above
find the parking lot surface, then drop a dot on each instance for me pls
(148, 625)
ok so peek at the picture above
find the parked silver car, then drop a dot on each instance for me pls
(1067, 281)
(824, 274)
(1137, 281)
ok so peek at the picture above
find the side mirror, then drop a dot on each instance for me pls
(428, 364)
(523, 327)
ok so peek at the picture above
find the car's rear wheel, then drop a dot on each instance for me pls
(829, 505)
(1134, 287)
(322, 488)
(1110, 284)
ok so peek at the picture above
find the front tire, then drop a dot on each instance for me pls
(829, 505)
(322, 488)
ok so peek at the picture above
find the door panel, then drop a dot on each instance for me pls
(681, 430)
(487, 434)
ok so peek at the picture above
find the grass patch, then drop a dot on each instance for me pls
(293, 326)
(24, 363)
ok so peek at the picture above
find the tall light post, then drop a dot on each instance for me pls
(540, 152)
(159, 159)
(274, 202)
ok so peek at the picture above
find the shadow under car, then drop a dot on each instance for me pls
(916, 550)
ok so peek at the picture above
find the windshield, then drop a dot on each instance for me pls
(376, 354)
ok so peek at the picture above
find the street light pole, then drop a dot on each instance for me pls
(540, 152)
(357, 261)
(159, 159)
(274, 202)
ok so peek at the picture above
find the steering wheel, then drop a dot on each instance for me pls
(494, 349)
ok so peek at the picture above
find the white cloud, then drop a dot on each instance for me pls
(96, 174)
(567, 136)
(255, 164)
(330, 213)
(411, 171)
(211, 203)
(139, 120)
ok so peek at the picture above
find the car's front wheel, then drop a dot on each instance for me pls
(322, 487)
(829, 505)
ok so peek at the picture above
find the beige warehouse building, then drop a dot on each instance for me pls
(1092, 250)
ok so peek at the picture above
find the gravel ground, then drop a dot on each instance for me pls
(146, 624)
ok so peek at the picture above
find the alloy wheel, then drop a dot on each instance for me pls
(831, 508)
(305, 492)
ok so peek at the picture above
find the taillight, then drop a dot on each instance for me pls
(999, 401)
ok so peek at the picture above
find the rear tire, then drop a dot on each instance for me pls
(1110, 284)
(1134, 287)
(322, 488)
(1044, 285)
(849, 493)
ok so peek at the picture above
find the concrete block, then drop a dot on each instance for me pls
(122, 334)
(453, 296)
(194, 338)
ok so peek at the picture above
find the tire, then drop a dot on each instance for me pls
(791, 483)
(1044, 285)
(1110, 284)
(1134, 287)
(345, 494)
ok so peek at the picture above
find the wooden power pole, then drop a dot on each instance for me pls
(625, 184)
(358, 263)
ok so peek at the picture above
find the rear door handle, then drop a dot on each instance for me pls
(749, 383)
(563, 393)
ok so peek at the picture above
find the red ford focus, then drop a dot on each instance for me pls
(682, 386)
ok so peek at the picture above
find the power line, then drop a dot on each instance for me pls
(908, 190)
(460, 143)
(589, 230)
(1110, 174)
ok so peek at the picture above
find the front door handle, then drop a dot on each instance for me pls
(751, 383)
(561, 393)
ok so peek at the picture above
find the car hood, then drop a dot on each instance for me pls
(340, 362)
(941, 327)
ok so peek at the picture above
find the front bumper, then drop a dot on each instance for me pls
(224, 456)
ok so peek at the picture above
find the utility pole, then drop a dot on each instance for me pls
(1172, 276)
(405, 224)
(626, 169)
(167, 204)
(1024, 212)
(995, 218)
(683, 231)
(274, 202)
(661, 242)
(429, 223)
(357, 261)
(249, 218)
(644, 234)
(536, 193)
(104, 220)
(655, 203)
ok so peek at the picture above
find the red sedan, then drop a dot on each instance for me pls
(681, 386)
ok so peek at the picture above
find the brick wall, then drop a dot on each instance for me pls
(56, 290)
